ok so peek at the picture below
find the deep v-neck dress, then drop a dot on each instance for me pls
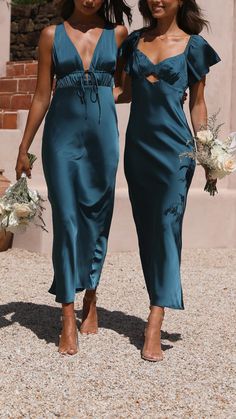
(158, 179)
(80, 157)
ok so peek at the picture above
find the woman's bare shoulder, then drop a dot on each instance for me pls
(121, 33)
(47, 35)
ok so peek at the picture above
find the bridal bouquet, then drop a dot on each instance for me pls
(20, 206)
(217, 156)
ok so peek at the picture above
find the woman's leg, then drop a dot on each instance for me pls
(89, 319)
(152, 345)
(68, 344)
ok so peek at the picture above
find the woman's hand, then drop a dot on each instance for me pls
(23, 165)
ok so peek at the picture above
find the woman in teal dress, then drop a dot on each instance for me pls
(80, 148)
(162, 61)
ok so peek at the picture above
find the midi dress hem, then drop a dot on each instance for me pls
(167, 306)
(72, 299)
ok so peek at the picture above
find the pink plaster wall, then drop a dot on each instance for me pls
(5, 17)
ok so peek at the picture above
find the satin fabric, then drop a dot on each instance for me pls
(80, 157)
(158, 179)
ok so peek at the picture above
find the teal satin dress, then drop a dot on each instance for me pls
(80, 157)
(158, 179)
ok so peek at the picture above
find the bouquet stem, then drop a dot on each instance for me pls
(211, 188)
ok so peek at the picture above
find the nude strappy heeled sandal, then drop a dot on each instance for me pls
(146, 356)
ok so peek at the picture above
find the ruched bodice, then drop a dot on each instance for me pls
(158, 133)
(71, 73)
(80, 157)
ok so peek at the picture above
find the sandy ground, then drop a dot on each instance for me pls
(108, 379)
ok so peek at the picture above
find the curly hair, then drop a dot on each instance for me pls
(112, 11)
(189, 17)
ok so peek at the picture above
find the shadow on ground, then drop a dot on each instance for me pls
(44, 322)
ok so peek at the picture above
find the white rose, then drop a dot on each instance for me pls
(224, 167)
(22, 210)
(230, 164)
(204, 137)
(217, 154)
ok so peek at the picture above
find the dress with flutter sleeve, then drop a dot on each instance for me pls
(158, 179)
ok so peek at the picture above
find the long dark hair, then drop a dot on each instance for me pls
(189, 17)
(112, 11)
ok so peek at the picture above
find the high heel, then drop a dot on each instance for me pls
(145, 328)
(152, 359)
(147, 355)
(65, 347)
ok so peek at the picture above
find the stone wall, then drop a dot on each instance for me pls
(27, 21)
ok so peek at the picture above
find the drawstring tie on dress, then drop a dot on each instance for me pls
(94, 94)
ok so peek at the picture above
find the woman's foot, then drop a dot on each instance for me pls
(68, 344)
(89, 318)
(152, 345)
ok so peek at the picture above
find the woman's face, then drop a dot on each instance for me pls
(164, 8)
(88, 7)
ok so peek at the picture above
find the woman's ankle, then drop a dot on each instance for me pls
(68, 310)
(157, 311)
(90, 295)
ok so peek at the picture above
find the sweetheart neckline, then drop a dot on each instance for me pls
(165, 59)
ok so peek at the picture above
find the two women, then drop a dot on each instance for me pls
(80, 145)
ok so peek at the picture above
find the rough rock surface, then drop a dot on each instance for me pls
(26, 23)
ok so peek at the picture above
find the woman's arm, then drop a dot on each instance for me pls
(197, 106)
(122, 89)
(198, 111)
(41, 99)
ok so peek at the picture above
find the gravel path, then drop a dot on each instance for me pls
(108, 380)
